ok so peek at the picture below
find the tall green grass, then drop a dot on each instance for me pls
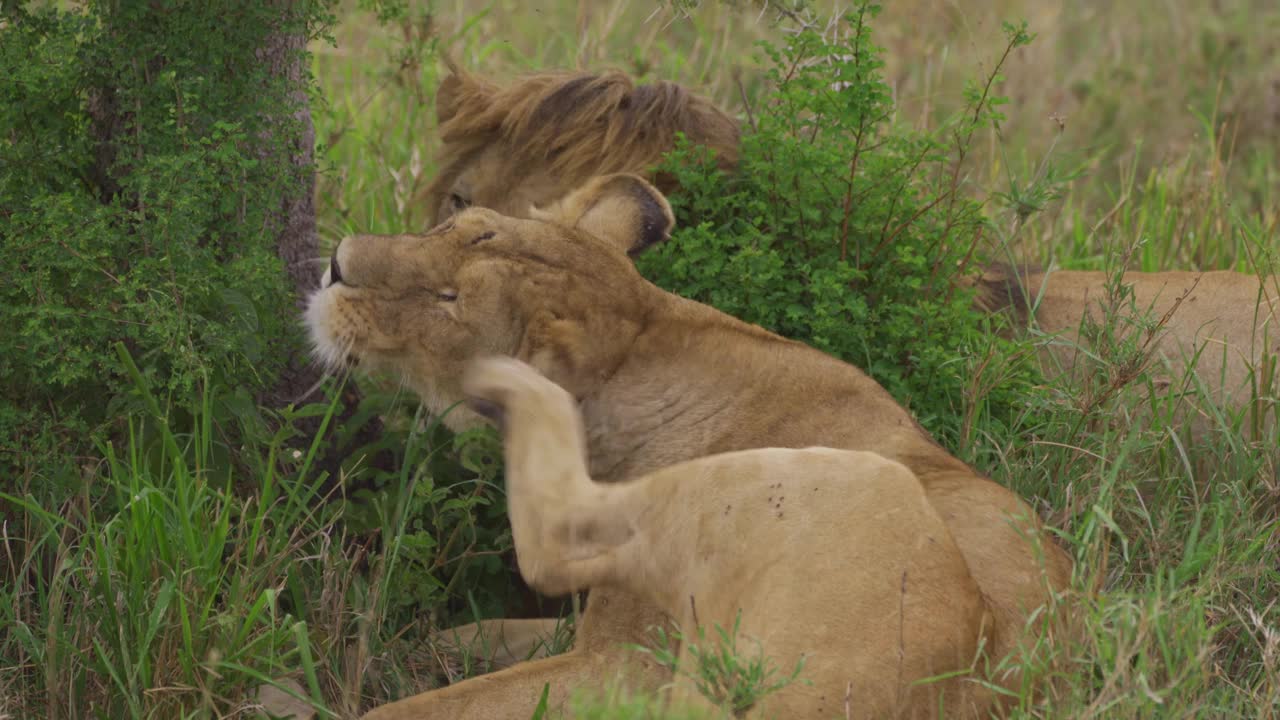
(159, 592)
(179, 584)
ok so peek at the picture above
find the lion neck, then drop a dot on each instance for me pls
(698, 382)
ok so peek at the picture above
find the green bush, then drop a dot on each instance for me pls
(146, 152)
(848, 233)
(445, 505)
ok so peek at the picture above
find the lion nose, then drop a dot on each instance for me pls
(335, 275)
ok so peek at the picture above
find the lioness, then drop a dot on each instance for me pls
(539, 138)
(659, 380)
(1225, 325)
(742, 537)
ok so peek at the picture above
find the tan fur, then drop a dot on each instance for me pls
(1225, 325)
(537, 139)
(500, 642)
(532, 142)
(768, 533)
(659, 380)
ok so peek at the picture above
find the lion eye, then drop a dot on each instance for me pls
(447, 295)
(458, 201)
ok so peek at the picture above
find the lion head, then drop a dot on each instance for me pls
(533, 142)
(556, 290)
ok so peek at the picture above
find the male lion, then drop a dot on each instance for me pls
(536, 140)
(762, 537)
(529, 144)
(659, 380)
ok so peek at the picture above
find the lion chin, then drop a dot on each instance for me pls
(336, 345)
(330, 350)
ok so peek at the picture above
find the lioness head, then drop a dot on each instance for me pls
(533, 142)
(556, 290)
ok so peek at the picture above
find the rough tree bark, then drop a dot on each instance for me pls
(297, 245)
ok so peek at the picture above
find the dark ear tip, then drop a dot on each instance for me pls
(652, 232)
(656, 219)
(488, 409)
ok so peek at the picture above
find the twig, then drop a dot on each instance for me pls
(746, 105)
(902, 644)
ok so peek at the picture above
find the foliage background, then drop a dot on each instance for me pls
(146, 155)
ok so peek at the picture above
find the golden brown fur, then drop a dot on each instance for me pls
(659, 380)
(531, 142)
(1225, 325)
(534, 141)
(765, 523)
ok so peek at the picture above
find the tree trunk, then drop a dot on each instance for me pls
(298, 247)
(282, 54)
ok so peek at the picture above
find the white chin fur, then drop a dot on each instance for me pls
(331, 351)
(325, 347)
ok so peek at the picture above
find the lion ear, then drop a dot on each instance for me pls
(456, 89)
(622, 208)
(447, 95)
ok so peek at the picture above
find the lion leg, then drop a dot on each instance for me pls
(556, 452)
(513, 693)
(501, 642)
